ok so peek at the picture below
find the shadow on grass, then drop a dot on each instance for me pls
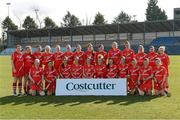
(74, 100)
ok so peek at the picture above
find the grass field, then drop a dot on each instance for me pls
(89, 107)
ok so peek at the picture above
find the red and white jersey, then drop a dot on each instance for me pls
(112, 71)
(145, 72)
(115, 54)
(70, 57)
(140, 58)
(90, 54)
(152, 56)
(58, 59)
(133, 72)
(159, 73)
(88, 71)
(38, 55)
(50, 74)
(28, 60)
(36, 73)
(128, 54)
(76, 71)
(122, 70)
(18, 60)
(165, 60)
(65, 71)
(46, 58)
(100, 71)
(104, 54)
(81, 57)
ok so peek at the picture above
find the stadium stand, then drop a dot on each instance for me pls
(146, 33)
(166, 41)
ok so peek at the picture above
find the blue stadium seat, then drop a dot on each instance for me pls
(170, 41)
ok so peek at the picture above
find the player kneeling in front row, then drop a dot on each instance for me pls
(160, 80)
(36, 75)
(133, 74)
(50, 76)
(145, 78)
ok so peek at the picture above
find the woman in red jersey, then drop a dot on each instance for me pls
(140, 55)
(160, 81)
(101, 52)
(28, 62)
(36, 77)
(133, 75)
(88, 69)
(80, 54)
(47, 56)
(112, 70)
(17, 62)
(76, 69)
(50, 76)
(100, 69)
(38, 54)
(123, 68)
(114, 53)
(165, 60)
(128, 53)
(90, 53)
(152, 55)
(69, 54)
(145, 78)
(58, 58)
(65, 69)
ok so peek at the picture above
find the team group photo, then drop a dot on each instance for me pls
(144, 71)
(89, 59)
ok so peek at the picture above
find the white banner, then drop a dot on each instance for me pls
(95, 87)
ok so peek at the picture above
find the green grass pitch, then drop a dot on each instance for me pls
(89, 107)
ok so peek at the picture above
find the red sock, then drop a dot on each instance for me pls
(14, 87)
(25, 91)
(20, 87)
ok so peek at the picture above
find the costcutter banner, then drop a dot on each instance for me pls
(95, 87)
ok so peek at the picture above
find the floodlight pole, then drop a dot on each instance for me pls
(173, 26)
(8, 4)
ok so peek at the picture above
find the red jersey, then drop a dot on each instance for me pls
(133, 72)
(36, 73)
(159, 74)
(76, 71)
(112, 71)
(58, 59)
(18, 60)
(128, 54)
(90, 54)
(100, 71)
(165, 61)
(65, 71)
(70, 57)
(152, 56)
(46, 58)
(104, 54)
(122, 70)
(38, 55)
(145, 72)
(81, 57)
(115, 54)
(28, 62)
(88, 71)
(50, 74)
(140, 58)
